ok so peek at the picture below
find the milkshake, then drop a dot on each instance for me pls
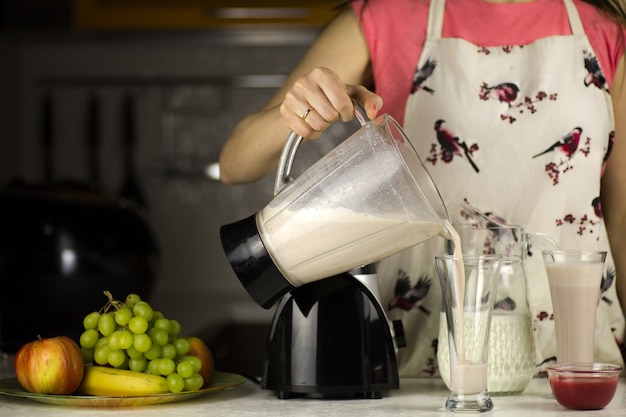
(467, 376)
(468, 286)
(313, 243)
(575, 290)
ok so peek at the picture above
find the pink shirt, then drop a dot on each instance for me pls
(395, 31)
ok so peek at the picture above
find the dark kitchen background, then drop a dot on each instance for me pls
(110, 113)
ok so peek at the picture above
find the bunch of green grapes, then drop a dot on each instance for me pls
(132, 335)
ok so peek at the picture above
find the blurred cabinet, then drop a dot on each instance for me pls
(199, 14)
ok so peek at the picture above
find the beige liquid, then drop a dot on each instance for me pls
(469, 378)
(309, 244)
(575, 290)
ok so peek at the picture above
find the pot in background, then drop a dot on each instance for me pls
(61, 247)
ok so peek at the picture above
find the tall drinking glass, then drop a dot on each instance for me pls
(468, 286)
(574, 277)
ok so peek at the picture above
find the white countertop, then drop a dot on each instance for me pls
(416, 397)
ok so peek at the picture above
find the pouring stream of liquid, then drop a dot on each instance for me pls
(459, 285)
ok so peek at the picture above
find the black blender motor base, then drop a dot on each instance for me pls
(372, 395)
(330, 339)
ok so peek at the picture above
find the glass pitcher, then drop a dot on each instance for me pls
(368, 198)
(511, 346)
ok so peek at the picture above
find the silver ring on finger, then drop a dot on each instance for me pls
(306, 113)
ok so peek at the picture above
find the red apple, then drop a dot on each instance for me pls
(198, 348)
(50, 366)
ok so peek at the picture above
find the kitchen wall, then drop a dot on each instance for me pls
(189, 91)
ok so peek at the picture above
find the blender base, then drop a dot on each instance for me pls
(330, 339)
(372, 395)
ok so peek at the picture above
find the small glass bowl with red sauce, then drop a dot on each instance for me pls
(583, 386)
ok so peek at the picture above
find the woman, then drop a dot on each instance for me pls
(515, 106)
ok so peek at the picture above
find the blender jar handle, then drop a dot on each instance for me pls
(288, 154)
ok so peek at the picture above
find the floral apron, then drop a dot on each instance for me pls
(521, 132)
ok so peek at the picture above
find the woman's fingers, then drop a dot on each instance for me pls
(308, 107)
(319, 98)
(371, 102)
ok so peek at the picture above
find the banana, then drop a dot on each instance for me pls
(111, 382)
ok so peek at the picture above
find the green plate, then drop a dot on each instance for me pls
(220, 381)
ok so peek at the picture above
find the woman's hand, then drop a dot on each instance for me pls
(253, 149)
(319, 98)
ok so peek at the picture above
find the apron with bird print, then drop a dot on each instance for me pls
(521, 133)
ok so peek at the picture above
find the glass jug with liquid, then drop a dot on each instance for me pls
(511, 363)
(368, 198)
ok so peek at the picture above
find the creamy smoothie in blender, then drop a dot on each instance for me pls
(310, 244)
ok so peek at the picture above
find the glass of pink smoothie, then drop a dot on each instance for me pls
(574, 277)
(468, 285)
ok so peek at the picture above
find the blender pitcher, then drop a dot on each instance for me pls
(368, 198)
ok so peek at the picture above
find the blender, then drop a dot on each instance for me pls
(314, 247)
